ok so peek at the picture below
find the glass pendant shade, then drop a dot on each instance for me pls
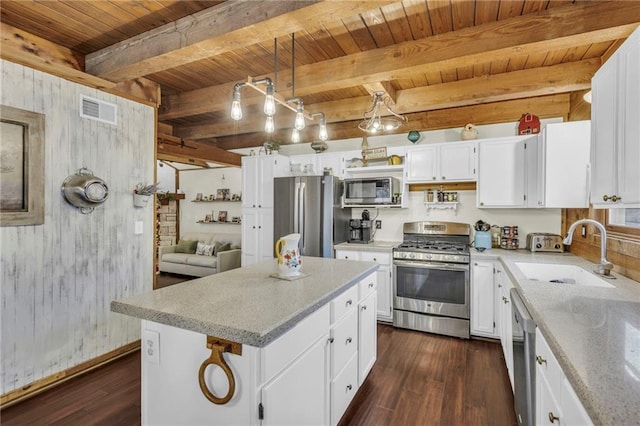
(269, 102)
(299, 122)
(236, 110)
(295, 135)
(322, 133)
(269, 125)
(374, 122)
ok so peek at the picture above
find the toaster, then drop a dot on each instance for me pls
(538, 241)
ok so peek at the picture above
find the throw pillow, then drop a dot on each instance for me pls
(200, 248)
(186, 246)
(221, 246)
(208, 250)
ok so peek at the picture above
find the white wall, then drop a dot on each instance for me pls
(166, 177)
(58, 279)
(208, 181)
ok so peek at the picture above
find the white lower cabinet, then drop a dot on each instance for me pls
(483, 322)
(385, 280)
(292, 397)
(556, 401)
(504, 315)
(307, 376)
(353, 343)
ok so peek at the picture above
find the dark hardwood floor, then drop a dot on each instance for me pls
(419, 379)
(164, 279)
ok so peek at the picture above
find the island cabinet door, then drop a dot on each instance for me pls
(367, 338)
(299, 395)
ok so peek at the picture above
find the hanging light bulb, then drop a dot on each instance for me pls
(269, 126)
(236, 109)
(322, 132)
(269, 102)
(295, 135)
(299, 122)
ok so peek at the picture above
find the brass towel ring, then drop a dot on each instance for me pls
(218, 348)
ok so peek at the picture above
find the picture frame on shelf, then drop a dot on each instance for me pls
(222, 216)
(199, 196)
(211, 197)
(223, 194)
(207, 218)
(235, 219)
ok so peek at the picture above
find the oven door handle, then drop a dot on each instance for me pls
(433, 265)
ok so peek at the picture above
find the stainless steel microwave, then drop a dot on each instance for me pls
(371, 191)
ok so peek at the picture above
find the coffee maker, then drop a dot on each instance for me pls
(360, 229)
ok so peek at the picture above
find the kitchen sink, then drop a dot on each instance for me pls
(561, 274)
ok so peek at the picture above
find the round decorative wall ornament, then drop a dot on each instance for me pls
(413, 136)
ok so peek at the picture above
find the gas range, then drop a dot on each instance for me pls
(434, 241)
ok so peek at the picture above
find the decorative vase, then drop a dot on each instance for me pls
(288, 254)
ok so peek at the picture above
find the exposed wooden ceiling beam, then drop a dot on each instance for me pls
(35, 52)
(382, 86)
(219, 29)
(489, 113)
(555, 29)
(492, 88)
(182, 160)
(198, 151)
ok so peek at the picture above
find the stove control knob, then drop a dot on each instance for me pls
(412, 255)
(428, 256)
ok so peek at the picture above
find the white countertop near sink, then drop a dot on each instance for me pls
(594, 332)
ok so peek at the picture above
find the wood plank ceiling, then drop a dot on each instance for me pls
(443, 62)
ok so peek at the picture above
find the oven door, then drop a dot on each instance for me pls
(432, 288)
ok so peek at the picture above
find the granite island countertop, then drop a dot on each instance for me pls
(245, 305)
(594, 332)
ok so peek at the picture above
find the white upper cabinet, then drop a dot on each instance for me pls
(442, 162)
(560, 176)
(257, 179)
(502, 172)
(615, 121)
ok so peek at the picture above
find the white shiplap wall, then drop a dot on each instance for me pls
(58, 279)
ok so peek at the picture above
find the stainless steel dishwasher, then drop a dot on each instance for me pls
(524, 348)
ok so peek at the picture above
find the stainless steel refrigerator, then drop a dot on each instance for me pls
(312, 207)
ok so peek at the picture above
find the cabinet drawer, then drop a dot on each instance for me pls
(344, 344)
(372, 256)
(343, 388)
(347, 255)
(547, 365)
(341, 304)
(368, 285)
(279, 353)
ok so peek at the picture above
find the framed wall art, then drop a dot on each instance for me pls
(21, 167)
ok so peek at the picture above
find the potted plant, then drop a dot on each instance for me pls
(142, 193)
(165, 197)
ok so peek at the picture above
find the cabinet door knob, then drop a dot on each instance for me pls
(370, 285)
(540, 360)
(433, 178)
(330, 339)
(259, 205)
(481, 203)
(375, 260)
(346, 257)
(552, 417)
(364, 308)
(349, 302)
(349, 387)
(349, 340)
(443, 178)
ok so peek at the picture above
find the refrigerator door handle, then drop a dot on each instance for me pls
(301, 213)
(296, 207)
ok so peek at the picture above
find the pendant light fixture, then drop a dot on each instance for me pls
(271, 99)
(374, 122)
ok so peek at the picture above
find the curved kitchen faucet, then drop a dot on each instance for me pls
(604, 267)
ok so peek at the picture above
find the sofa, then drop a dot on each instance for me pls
(174, 260)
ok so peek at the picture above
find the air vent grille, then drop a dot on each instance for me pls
(95, 109)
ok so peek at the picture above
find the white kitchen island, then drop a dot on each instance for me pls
(306, 345)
